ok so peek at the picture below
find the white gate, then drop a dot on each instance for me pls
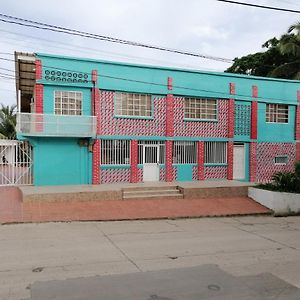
(15, 163)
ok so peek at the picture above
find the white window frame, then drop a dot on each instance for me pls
(215, 153)
(133, 105)
(202, 109)
(184, 152)
(286, 158)
(72, 105)
(113, 154)
(275, 113)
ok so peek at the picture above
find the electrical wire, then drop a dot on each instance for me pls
(261, 6)
(44, 26)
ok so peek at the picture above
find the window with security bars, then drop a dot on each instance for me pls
(149, 150)
(215, 152)
(184, 152)
(277, 113)
(281, 160)
(115, 152)
(68, 103)
(201, 109)
(132, 104)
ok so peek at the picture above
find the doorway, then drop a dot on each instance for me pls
(239, 161)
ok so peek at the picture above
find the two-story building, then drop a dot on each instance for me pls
(94, 122)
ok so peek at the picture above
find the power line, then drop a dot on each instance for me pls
(65, 30)
(76, 48)
(225, 95)
(261, 6)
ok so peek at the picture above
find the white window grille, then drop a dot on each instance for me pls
(215, 153)
(281, 160)
(115, 152)
(67, 103)
(151, 156)
(201, 109)
(132, 104)
(277, 113)
(184, 152)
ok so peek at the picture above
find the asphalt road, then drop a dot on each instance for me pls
(209, 258)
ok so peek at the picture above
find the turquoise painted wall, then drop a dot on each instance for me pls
(49, 98)
(275, 132)
(60, 161)
(201, 83)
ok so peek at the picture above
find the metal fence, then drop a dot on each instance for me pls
(15, 163)
(215, 152)
(184, 152)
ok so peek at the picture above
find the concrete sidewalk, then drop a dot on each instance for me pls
(240, 246)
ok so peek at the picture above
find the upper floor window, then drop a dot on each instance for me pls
(67, 103)
(202, 109)
(132, 104)
(277, 113)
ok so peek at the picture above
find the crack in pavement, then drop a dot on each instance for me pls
(118, 248)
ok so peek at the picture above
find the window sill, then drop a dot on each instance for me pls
(200, 120)
(133, 117)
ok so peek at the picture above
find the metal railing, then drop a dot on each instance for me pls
(55, 125)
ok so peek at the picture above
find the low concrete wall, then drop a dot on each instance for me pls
(283, 204)
(10, 193)
(214, 192)
(81, 196)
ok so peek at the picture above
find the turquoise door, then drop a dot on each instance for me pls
(185, 173)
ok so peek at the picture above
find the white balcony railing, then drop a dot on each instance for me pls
(55, 125)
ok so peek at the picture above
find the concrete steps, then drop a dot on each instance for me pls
(171, 192)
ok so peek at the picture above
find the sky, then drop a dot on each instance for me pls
(203, 26)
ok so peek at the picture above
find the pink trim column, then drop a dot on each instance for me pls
(39, 107)
(169, 130)
(297, 151)
(253, 134)
(133, 161)
(169, 161)
(231, 111)
(38, 69)
(200, 160)
(97, 145)
(230, 160)
(253, 162)
(96, 162)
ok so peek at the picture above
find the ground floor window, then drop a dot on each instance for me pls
(215, 153)
(151, 152)
(115, 152)
(184, 152)
(281, 160)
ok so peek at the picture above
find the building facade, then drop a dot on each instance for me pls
(95, 122)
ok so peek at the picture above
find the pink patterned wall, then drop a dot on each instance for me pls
(111, 125)
(115, 175)
(200, 129)
(195, 173)
(215, 172)
(266, 153)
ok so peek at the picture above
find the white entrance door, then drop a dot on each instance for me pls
(151, 159)
(239, 161)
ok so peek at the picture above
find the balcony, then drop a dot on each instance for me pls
(55, 125)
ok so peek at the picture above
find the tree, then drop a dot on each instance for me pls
(281, 59)
(8, 121)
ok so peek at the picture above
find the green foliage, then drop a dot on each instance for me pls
(281, 58)
(8, 121)
(284, 181)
